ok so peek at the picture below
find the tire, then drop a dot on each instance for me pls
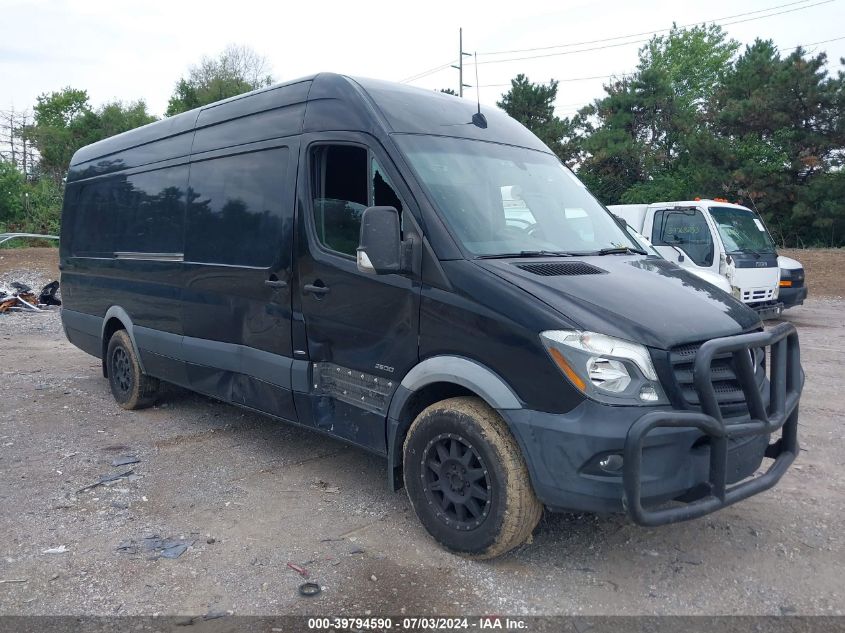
(483, 505)
(131, 388)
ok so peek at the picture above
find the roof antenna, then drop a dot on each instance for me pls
(478, 119)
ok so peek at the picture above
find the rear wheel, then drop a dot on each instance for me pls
(467, 480)
(131, 388)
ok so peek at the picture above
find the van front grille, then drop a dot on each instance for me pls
(558, 269)
(758, 294)
(729, 393)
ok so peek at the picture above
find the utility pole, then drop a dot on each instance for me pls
(460, 66)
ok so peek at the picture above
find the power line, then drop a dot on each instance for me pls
(804, 6)
(835, 39)
(631, 73)
(448, 64)
(427, 72)
(566, 80)
(596, 48)
(651, 32)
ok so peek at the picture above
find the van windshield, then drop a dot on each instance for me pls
(742, 230)
(501, 200)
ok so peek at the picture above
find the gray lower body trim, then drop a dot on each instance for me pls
(459, 371)
(274, 369)
(85, 323)
(83, 330)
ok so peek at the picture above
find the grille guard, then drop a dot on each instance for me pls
(786, 381)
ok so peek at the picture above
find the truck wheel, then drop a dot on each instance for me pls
(467, 480)
(129, 385)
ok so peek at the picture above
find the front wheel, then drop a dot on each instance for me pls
(467, 480)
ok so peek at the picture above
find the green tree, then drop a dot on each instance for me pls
(533, 105)
(780, 121)
(12, 184)
(114, 118)
(694, 61)
(64, 121)
(28, 206)
(56, 132)
(650, 125)
(236, 70)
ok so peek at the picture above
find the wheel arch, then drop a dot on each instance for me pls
(432, 380)
(116, 318)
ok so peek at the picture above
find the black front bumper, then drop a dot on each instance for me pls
(766, 311)
(791, 297)
(668, 454)
(780, 413)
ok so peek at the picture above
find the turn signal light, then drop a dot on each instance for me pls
(786, 283)
(560, 361)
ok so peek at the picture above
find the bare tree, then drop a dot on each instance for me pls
(14, 146)
(236, 70)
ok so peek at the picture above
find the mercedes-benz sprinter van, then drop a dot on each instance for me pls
(341, 254)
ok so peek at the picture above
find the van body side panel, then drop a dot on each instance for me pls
(487, 320)
(123, 237)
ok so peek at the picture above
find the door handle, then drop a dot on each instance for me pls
(275, 283)
(315, 290)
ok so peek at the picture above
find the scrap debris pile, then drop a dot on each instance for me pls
(21, 298)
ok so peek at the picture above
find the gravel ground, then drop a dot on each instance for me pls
(251, 495)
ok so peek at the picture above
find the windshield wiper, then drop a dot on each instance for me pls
(620, 250)
(530, 254)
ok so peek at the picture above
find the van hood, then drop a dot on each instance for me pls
(789, 263)
(647, 300)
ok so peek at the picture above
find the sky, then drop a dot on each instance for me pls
(126, 51)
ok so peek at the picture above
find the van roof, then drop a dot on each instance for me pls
(330, 101)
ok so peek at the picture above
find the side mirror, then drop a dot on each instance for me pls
(380, 245)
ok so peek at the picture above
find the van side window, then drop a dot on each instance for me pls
(94, 209)
(383, 193)
(343, 187)
(237, 209)
(686, 229)
(340, 195)
(138, 213)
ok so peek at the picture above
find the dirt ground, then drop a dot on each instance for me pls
(250, 495)
(824, 268)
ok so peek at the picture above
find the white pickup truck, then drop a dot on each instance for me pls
(716, 239)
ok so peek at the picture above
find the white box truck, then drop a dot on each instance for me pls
(715, 237)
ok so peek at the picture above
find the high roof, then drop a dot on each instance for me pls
(322, 102)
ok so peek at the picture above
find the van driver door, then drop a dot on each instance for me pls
(360, 330)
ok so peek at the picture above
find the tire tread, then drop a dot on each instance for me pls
(524, 510)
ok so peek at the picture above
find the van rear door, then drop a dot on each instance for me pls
(361, 329)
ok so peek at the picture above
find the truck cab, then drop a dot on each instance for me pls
(713, 237)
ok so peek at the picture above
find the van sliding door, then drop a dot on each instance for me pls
(238, 255)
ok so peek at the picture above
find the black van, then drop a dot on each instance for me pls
(396, 269)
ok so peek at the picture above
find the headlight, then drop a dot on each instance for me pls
(605, 368)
